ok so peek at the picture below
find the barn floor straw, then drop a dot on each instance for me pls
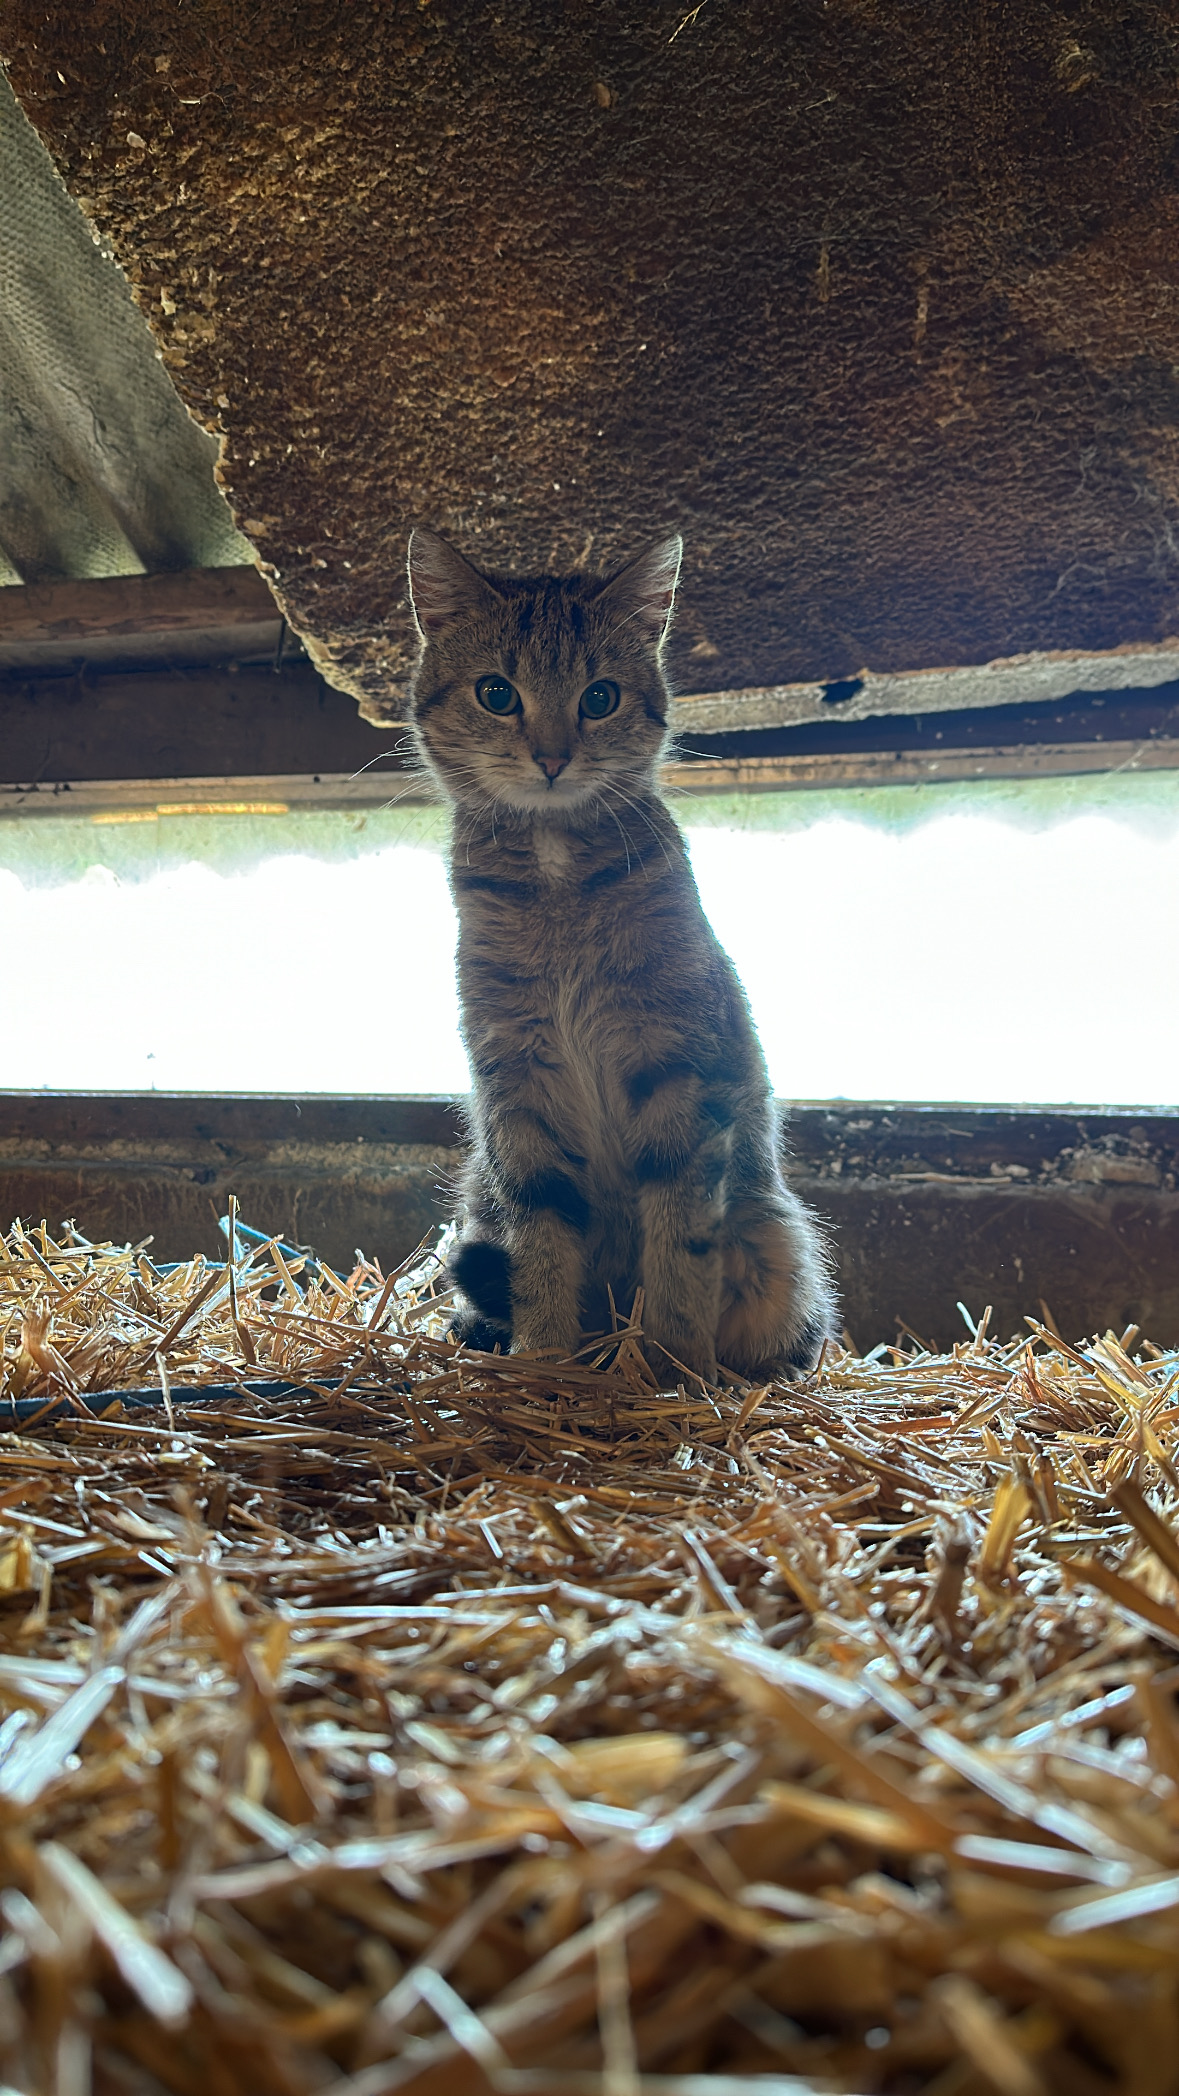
(463, 1724)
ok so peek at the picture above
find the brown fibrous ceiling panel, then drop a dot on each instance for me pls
(878, 303)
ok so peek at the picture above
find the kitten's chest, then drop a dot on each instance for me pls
(566, 930)
(554, 858)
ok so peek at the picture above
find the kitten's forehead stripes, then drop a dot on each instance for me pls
(550, 623)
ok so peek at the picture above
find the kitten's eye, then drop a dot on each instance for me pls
(597, 700)
(497, 695)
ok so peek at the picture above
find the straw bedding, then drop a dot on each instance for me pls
(452, 1723)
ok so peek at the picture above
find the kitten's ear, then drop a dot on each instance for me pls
(644, 591)
(442, 585)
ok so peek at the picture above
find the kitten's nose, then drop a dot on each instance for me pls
(552, 767)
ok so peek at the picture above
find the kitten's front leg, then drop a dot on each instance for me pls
(547, 1215)
(682, 1205)
(680, 1148)
(546, 1283)
(682, 1271)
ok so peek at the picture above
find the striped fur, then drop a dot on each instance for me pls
(624, 1133)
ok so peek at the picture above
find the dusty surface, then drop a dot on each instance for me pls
(880, 305)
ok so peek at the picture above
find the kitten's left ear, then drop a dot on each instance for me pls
(644, 591)
(442, 585)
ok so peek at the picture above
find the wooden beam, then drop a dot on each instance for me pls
(910, 1140)
(104, 739)
(274, 793)
(387, 782)
(217, 614)
(1013, 680)
(206, 614)
(1025, 760)
(927, 1204)
(86, 1124)
(1080, 717)
(181, 724)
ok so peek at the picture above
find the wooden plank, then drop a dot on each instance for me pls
(207, 613)
(211, 610)
(194, 732)
(1026, 760)
(386, 783)
(115, 801)
(173, 725)
(123, 604)
(1012, 680)
(134, 738)
(1118, 716)
(871, 1139)
(208, 1125)
(927, 1205)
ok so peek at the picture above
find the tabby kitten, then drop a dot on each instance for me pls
(624, 1130)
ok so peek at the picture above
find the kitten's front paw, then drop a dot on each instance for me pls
(481, 1334)
(802, 1353)
(541, 1335)
(672, 1360)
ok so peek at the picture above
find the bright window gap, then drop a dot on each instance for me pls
(993, 941)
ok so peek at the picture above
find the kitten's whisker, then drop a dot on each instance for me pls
(639, 855)
(630, 843)
(677, 790)
(396, 798)
(394, 750)
(618, 826)
(638, 809)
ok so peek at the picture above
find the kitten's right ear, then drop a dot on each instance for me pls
(443, 586)
(644, 591)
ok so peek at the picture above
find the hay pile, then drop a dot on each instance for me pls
(453, 1723)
